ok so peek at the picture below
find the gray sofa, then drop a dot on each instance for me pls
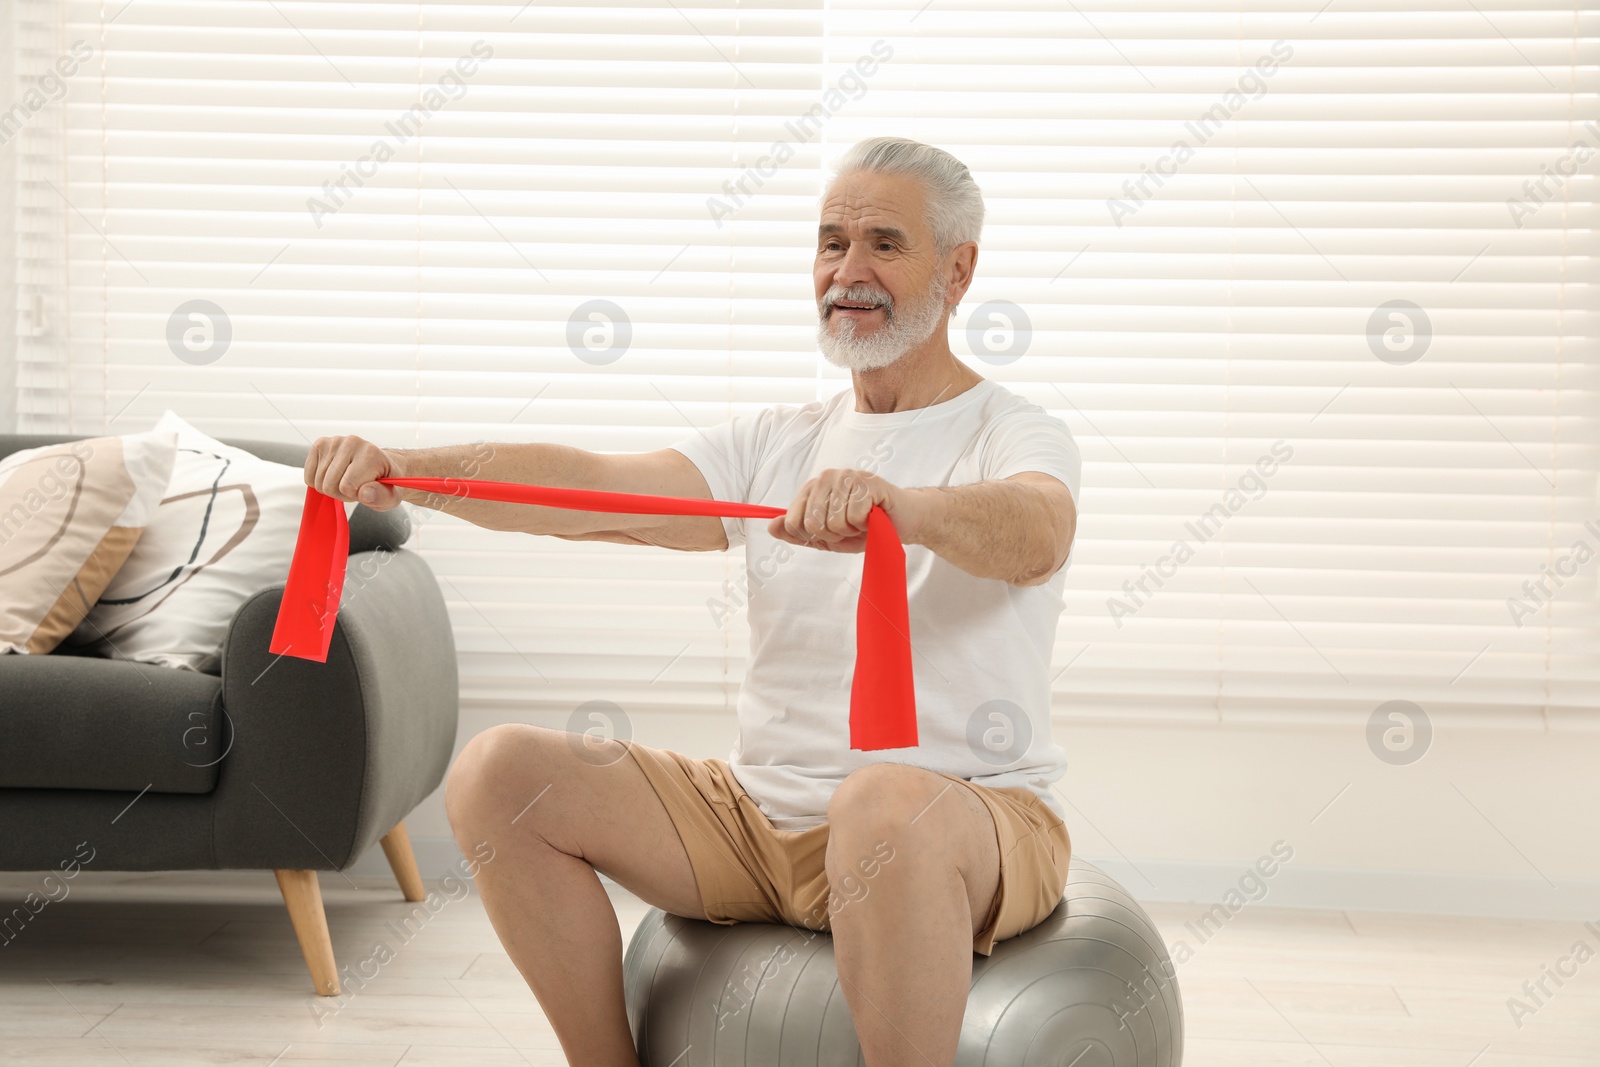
(277, 764)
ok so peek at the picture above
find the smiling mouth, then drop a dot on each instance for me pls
(857, 308)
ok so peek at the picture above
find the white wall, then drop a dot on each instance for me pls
(1177, 812)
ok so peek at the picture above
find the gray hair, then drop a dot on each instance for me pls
(954, 203)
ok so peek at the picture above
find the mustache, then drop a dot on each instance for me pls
(857, 294)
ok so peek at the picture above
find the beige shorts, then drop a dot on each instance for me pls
(748, 870)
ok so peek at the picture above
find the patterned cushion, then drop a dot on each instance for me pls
(225, 530)
(70, 515)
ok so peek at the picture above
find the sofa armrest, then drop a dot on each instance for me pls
(326, 757)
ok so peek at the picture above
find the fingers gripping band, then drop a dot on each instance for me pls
(883, 710)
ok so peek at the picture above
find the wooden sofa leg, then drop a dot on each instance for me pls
(397, 846)
(303, 896)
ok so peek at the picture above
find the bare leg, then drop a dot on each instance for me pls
(903, 927)
(555, 807)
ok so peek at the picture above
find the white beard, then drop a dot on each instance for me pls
(902, 331)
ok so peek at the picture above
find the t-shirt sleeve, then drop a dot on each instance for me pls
(1031, 439)
(727, 455)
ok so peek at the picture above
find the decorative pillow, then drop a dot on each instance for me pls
(69, 516)
(224, 531)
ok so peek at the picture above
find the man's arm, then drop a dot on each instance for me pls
(347, 468)
(1017, 529)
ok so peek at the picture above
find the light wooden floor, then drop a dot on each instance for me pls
(169, 970)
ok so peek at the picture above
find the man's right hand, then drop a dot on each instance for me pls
(348, 468)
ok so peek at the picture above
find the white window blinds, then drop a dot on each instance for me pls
(1313, 286)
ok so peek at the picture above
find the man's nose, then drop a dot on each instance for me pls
(855, 267)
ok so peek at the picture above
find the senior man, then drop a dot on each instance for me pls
(914, 858)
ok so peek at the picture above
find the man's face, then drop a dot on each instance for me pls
(879, 279)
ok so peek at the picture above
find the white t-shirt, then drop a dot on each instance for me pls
(980, 646)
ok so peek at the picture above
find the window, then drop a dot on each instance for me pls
(1312, 285)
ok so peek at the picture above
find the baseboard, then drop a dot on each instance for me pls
(1411, 892)
(436, 857)
(1290, 886)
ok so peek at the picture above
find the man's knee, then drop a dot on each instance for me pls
(889, 802)
(492, 768)
(922, 819)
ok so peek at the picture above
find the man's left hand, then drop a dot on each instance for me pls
(830, 511)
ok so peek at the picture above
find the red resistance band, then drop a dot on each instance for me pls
(883, 712)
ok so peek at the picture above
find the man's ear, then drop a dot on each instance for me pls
(959, 266)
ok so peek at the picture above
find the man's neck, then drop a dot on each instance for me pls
(929, 374)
